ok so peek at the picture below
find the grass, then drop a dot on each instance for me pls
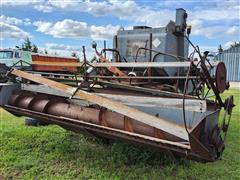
(51, 152)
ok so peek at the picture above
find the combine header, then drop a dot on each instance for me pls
(150, 93)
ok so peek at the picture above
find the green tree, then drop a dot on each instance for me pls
(34, 48)
(220, 49)
(28, 46)
(236, 44)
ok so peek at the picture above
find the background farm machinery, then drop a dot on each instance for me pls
(150, 93)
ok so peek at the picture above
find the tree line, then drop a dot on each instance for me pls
(27, 45)
(235, 44)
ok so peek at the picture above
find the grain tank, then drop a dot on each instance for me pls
(167, 39)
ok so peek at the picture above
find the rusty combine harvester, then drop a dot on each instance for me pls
(151, 93)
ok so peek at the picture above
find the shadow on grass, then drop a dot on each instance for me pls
(116, 152)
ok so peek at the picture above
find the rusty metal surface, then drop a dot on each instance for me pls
(179, 148)
(39, 102)
(61, 107)
(133, 99)
(133, 113)
(48, 59)
(112, 69)
(221, 77)
(51, 106)
(145, 90)
(119, 64)
(65, 119)
(145, 77)
(203, 139)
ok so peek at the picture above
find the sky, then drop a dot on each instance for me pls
(64, 26)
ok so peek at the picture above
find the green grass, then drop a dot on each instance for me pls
(51, 152)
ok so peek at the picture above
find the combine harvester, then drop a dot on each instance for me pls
(151, 93)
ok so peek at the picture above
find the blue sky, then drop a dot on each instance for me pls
(64, 26)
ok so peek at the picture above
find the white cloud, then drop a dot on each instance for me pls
(75, 29)
(12, 31)
(103, 32)
(43, 7)
(131, 10)
(234, 30)
(199, 29)
(209, 32)
(216, 14)
(215, 31)
(64, 4)
(202, 13)
(66, 50)
(55, 46)
(203, 20)
(42, 26)
(27, 22)
(66, 28)
(9, 27)
(10, 20)
(229, 43)
(55, 52)
(20, 2)
(221, 10)
(211, 49)
(15, 21)
(208, 48)
(128, 10)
